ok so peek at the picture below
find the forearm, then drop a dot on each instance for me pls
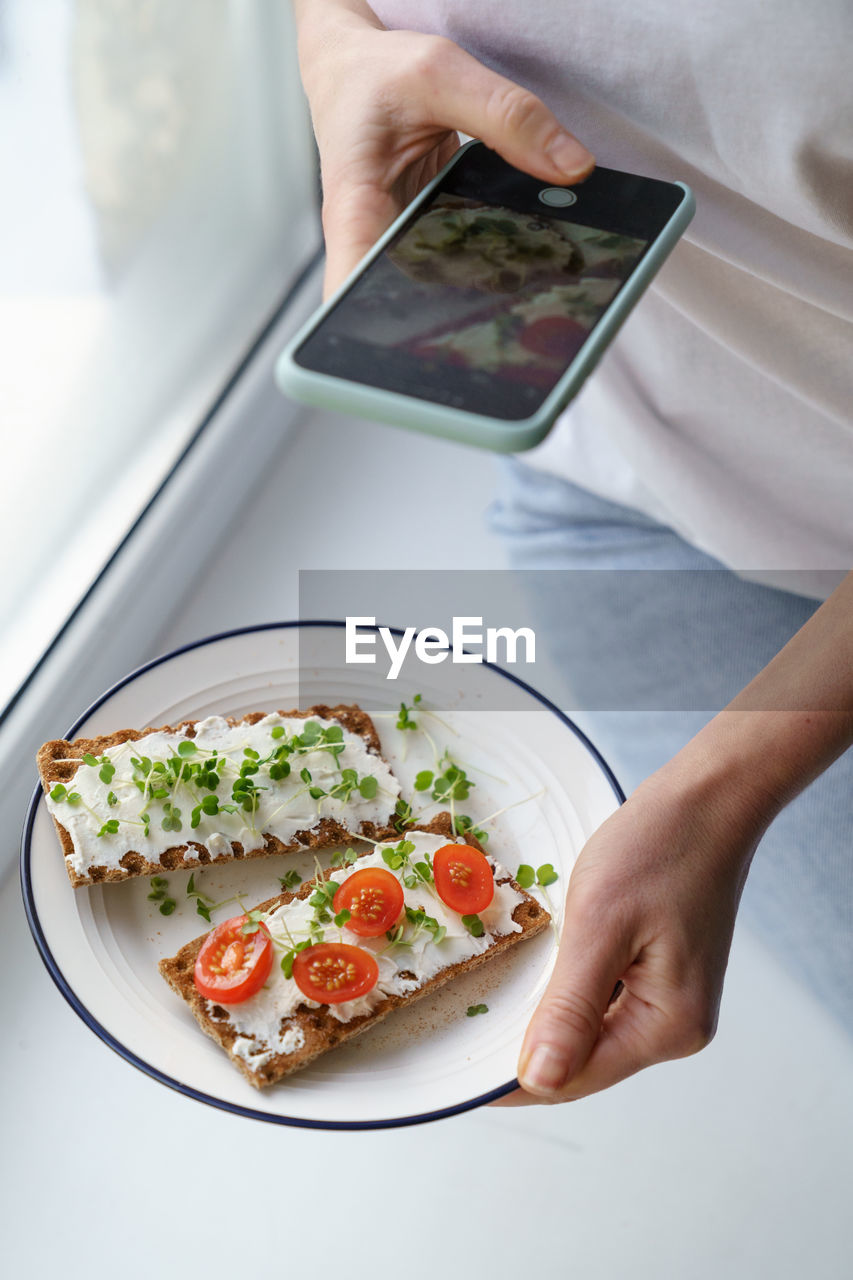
(780, 732)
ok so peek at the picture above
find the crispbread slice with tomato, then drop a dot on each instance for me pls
(311, 1026)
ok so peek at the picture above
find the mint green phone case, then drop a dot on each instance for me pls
(328, 392)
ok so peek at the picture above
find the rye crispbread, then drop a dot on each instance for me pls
(59, 760)
(321, 1031)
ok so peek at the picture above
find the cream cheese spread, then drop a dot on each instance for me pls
(138, 820)
(263, 1020)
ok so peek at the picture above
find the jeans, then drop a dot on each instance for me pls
(642, 673)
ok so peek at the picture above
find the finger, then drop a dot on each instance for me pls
(634, 1035)
(354, 217)
(559, 1040)
(620, 1051)
(460, 93)
(520, 1098)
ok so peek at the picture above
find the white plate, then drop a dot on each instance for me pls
(101, 944)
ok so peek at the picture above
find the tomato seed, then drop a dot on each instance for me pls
(369, 904)
(332, 973)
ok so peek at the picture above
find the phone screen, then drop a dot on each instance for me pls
(482, 304)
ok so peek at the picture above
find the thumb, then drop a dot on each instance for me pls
(567, 1022)
(461, 93)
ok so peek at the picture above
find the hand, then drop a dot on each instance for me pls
(652, 899)
(386, 106)
(651, 905)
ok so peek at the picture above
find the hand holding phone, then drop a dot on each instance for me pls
(386, 106)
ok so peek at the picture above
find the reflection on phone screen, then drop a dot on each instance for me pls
(476, 305)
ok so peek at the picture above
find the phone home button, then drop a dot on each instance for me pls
(557, 197)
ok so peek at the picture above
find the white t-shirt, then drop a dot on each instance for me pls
(725, 406)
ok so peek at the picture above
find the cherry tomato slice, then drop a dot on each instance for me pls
(231, 965)
(463, 878)
(554, 337)
(332, 972)
(374, 899)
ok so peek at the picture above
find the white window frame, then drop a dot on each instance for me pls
(122, 615)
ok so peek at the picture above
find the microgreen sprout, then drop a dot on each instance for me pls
(110, 827)
(209, 805)
(403, 815)
(465, 826)
(245, 792)
(418, 917)
(342, 917)
(252, 923)
(418, 874)
(59, 792)
(290, 880)
(289, 956)
(453, 783)
(203, 904)
(474, 925)
(474, 1009)
(404, 719)
(315, 738)
(344, 858)
(342, 790)
(171, 817)
(112, 799)
(397, 856)
(104, 765)
(413, 875)
(322, 899)
(447, 783)
(526, 877)
(159, 893)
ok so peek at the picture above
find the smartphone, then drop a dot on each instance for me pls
(481, 311)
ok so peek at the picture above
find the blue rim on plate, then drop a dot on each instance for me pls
(80, 1009)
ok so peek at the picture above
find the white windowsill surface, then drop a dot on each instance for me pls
(735, 1163)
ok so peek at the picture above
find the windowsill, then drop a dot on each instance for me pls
(369, 463)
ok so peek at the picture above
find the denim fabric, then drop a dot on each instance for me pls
(799, 895)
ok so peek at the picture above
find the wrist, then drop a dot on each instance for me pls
(325, 29)
(318, 20)
(720, 785)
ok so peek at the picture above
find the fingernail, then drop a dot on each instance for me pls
(545, 1070)
(569, 155)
